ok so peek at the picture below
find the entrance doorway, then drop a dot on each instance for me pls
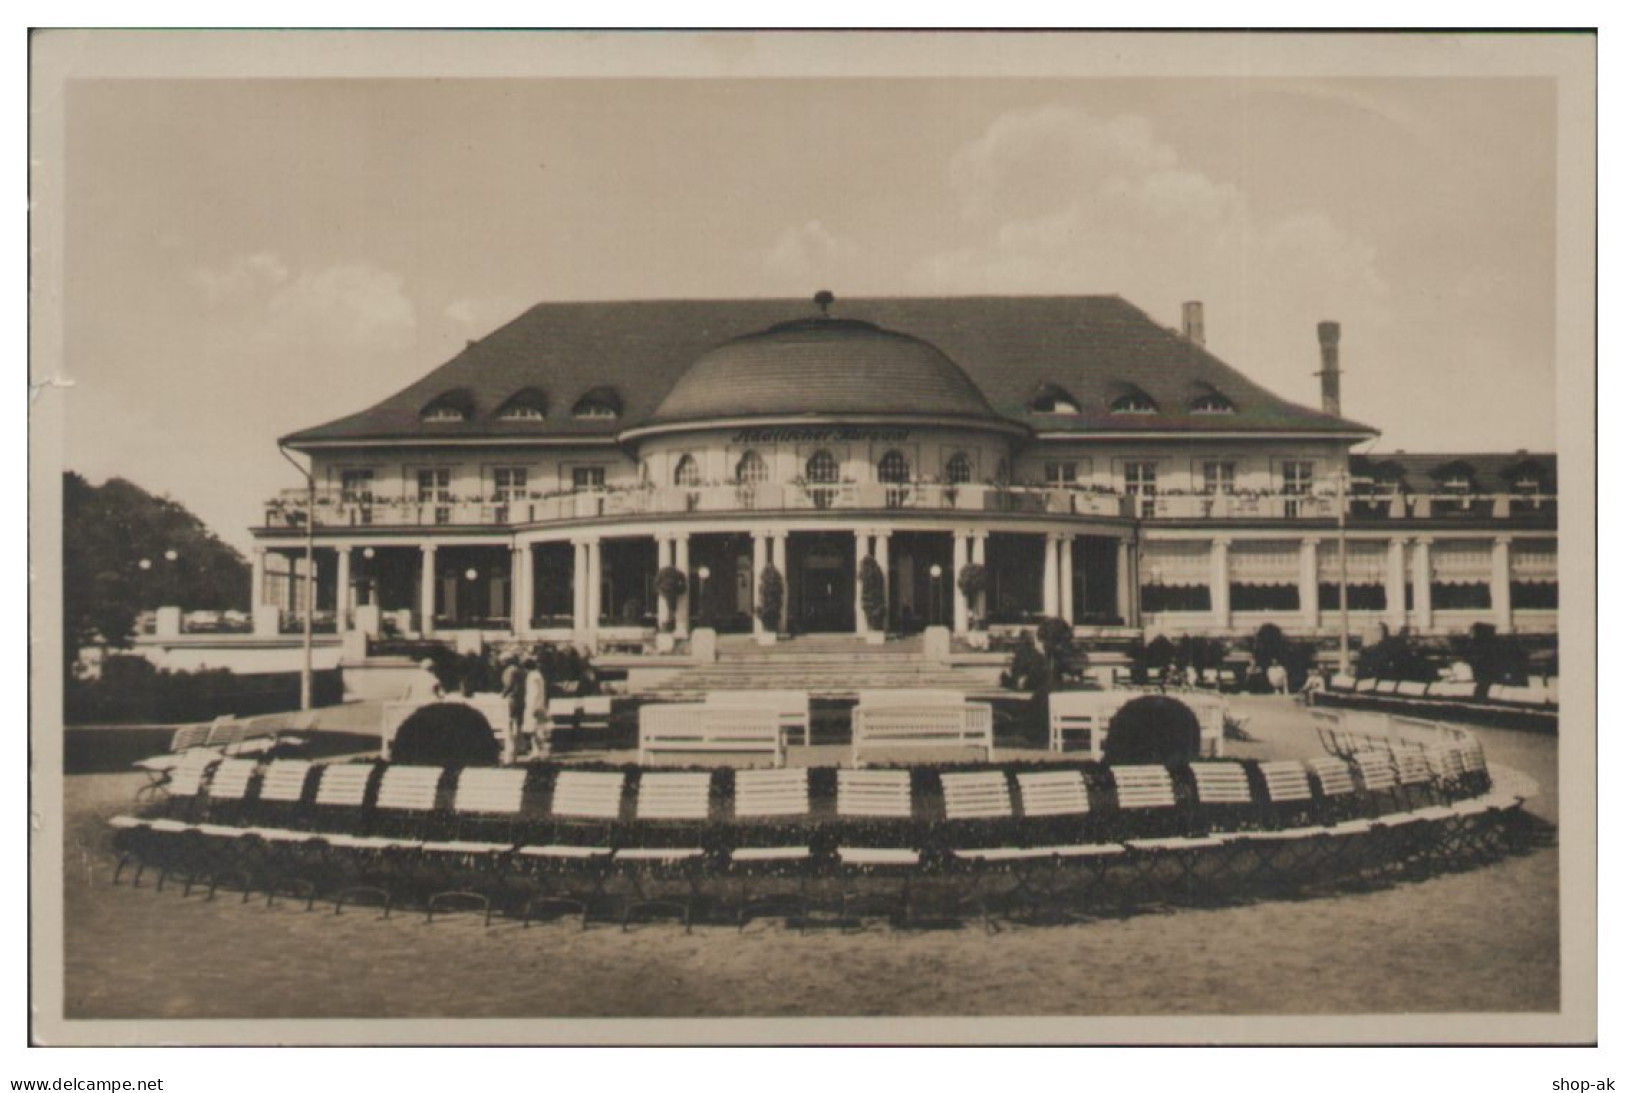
(919, 598)
(821, 567)
(719, 582)
(1094, 581)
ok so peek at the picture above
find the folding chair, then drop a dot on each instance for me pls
(380, 861)
(778, 796)
(1052, 795)
(1150, 788)
(581, 800)
(1288, 831)
(1378, 774)
(875, 794)
(285, 845)
(1328, 727)
(671, 798)
(969, 799)
(1415, 777)
(229, 847)
(483, 795)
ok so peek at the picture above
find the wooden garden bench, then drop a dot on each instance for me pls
(697, 727)
(794, 709)
(920, 719)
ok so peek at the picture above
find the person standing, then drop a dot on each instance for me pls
(535, 709)
(1277, 677)
(513, 690)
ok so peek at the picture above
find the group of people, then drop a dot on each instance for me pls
(525, 689)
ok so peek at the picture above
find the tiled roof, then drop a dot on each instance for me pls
(1094, 347)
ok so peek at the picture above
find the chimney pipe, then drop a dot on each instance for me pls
(1194, 330)
(1331, 376)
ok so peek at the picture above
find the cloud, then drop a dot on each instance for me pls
(804, 252)
(1056, 200)
(352, 307)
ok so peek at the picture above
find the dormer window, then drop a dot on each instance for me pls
(456, 404)
(1212, 403)
(599, 404)
(526, 404)
(1527, 484)
(1134, 401)
(1051, 399)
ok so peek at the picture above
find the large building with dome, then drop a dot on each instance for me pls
(1099, 467)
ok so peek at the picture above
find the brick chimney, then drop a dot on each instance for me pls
(1194, 330)
(1331, 376)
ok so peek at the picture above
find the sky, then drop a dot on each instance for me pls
(245, 258)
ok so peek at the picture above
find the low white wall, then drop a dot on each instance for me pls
(246, 656)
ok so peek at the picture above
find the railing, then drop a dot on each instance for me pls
(333, 510)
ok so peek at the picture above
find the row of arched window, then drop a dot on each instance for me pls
(822, 468)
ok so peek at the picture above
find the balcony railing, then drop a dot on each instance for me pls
(334, 510)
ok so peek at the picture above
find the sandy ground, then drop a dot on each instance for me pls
(1482, 941)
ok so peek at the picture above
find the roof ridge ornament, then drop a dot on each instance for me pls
(823, 299)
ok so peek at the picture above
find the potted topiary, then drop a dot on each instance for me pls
(769, 602)
(872, 589)
(670, 584)
(972, 581)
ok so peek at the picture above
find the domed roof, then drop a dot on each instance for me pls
(820, 367)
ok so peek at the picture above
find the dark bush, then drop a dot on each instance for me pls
(132, 690)
(1153, 729)
(1029, 669)
(446, 734)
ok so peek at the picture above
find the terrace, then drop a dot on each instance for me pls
(336, 509)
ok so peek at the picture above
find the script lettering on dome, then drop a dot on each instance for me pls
(798, 434)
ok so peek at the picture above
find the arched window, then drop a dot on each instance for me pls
(601, 403)
(1001, 473)
(687, 473)
(1212, 403)
(1052, 399)
(893, 467)
(1134, 402)
(750, 470)
(823, 467)
(958, 470)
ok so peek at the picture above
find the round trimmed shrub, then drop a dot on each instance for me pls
(446, 734)
(1153, 729)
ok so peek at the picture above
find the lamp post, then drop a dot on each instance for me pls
(936, 595)
(308, 637)
(704, 574)
(1342, 572)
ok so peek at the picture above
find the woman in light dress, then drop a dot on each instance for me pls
(535, 722)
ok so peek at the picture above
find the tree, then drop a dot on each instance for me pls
(671, 583)
(107, 532)
(1153, 729)
(972, 582)
(769, 597)
(1061, 654)
(872, 583)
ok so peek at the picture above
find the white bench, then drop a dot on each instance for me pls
(694, 726)
(920, 719)
(1083, 716)
(793, 708)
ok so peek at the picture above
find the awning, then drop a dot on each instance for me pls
(1462, 562)
(1265, 563)
(1368, 562)
(1180, 564)
(1535, 562)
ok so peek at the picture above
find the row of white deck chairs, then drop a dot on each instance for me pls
(193, 748)
(310, 830)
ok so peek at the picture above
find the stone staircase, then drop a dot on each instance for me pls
(826, 668)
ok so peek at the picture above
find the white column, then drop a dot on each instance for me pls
(1066, 589)
(521, 598)
(860, 551)
(1125, 588)
(1052, 576)
(961, 559)
(426, 581)
(680, 560)
(341, 591)
(595, 582)
(781, 561)
(1220, 584)
(256, 588)
(978, 555)
(1394, 593)
(883, 560)
(1309, 583)
(579, 578)
(663, 556)
(758, 544)
(1422, 581)
(1501, 583)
